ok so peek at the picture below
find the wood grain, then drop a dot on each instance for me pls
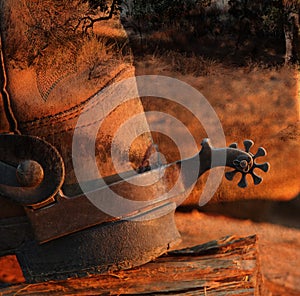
(228, 266)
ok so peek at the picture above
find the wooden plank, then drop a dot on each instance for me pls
(228, 266)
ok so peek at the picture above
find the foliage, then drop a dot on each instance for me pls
(277, 18)
(262, 17)
(62, 23)
(108, 8)
(46, 26)
(272, 20)
(102, 5)
(161, 12)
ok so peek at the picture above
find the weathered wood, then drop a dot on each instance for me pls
(228, 266)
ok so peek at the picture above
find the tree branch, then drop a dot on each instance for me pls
(91, 21)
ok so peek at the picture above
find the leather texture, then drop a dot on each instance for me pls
(50, 88)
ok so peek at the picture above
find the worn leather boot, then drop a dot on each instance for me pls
(68, 204)
(50, 75)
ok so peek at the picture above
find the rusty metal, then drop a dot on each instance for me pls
(247, 166)
(17, 149)
(29, 173)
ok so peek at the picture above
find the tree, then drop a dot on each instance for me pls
(246, 18)
(106, 7)
(272, 17)
(291, 29)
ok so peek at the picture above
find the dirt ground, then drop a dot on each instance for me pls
(278, 246)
